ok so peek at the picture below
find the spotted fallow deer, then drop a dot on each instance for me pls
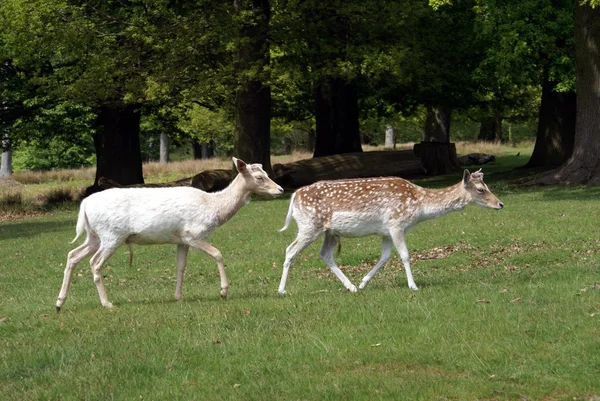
(387, 207)
(177, 215)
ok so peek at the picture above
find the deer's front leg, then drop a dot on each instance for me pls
(400, 243)
(207, 248)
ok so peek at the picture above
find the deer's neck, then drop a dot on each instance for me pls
(228, 201)
(438, 202)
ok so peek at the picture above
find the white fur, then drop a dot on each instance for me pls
(177, 215)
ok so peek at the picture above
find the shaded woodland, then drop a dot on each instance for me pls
(108, 79)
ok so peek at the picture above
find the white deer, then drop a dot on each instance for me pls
(387, 207)
(177, 215)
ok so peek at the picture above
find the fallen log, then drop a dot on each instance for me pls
(402, 163)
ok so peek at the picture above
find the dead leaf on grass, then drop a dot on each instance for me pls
(483, 301)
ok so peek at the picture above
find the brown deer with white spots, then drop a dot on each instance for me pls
(387, 207)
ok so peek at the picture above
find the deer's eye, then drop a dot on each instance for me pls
(260, 179)
(480, 190)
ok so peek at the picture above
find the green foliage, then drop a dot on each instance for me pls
(53, 136)
(207, 126)
(55, 153)
(476, 56)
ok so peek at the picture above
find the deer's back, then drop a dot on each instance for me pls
(149, 215)
(357, 207)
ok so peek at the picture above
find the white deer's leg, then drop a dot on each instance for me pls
(327, 250)
(400, 243)
(96, 263)
(182, 252)
(386, 252)
(75, 256)
(301, 242)
(207, 248)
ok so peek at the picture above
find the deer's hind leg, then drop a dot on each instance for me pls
(102, 255)
(327, 250)
(306, 236)
(386, 252)
(84, 250)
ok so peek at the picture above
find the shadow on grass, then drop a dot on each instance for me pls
(24, 229)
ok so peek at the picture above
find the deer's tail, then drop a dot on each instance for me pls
(81, 222)
(288, 218)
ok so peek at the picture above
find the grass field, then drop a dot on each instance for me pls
(509, 309)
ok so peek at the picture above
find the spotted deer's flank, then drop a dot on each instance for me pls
(177, 215)
(387, 207)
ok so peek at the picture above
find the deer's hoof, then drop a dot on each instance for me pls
(282, 292)
(224, 292)
(108, 305)
(352, 288)
(362, 285)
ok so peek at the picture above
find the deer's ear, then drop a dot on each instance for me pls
(239, 165)
(466, 177)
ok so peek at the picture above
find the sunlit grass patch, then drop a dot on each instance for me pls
(509, 308)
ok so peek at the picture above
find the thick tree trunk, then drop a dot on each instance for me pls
(164, 148)
(584, 164)
(556, 127)
(6, 162)
(117, 142)
(253, 98)
(336, 117)
(437, 154)
(490, 129)
(437, 158)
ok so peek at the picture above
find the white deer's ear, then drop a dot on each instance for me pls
(466, 177)
(239, 164)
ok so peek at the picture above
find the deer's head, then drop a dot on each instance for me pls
(256, 178)
(480, 193)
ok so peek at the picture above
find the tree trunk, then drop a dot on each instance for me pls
(207, 150)
(437, 154)
(253, 98)
(6, 162)
(584, 164)
(117, 142)
(196, 149)
(390, 142)
(164, 148)
(556, 127)
(336, 116)
(437, 158)
(437, 124)
(490, 129)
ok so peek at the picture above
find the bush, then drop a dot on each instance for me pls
(57, 196)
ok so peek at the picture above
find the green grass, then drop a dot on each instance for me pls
(509, 309)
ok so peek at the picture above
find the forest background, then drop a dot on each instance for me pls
(108, 81)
